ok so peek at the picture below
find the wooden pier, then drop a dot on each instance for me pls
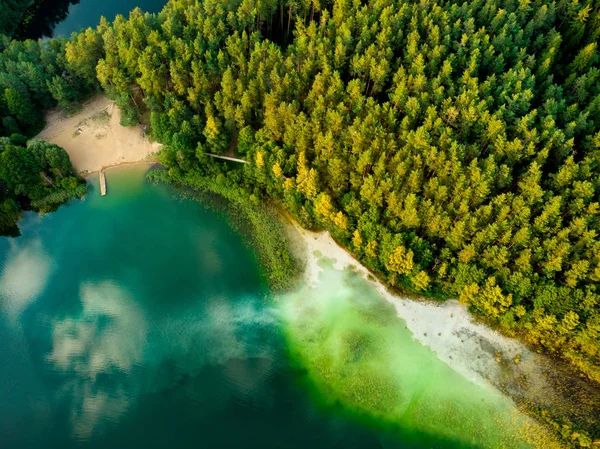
(227, 158)
(102, 183)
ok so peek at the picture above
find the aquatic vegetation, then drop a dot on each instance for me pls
(358, 353)
(254, 219)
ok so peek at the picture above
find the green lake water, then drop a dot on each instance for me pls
(140, 319)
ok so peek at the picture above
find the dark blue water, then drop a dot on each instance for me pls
(87, 13)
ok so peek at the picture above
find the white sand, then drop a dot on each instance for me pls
(93, 137)
(447, 328)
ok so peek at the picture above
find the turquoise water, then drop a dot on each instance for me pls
(87, 13)
(140, 319)
(63, 17)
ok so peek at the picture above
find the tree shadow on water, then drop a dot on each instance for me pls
(41, 17)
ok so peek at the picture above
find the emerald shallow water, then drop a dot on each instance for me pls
(358, 352)
(143, 320)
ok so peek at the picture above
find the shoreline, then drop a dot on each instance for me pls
(422, 317)
(86, 175)
(476, 351)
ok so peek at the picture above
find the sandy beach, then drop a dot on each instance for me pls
(94, 138)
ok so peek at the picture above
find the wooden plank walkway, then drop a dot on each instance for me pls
(102, 183)
(227, 158)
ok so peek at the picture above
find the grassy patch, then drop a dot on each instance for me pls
(101, 118)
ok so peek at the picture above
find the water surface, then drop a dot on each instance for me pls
(52, 18)
(87, 13)
(140, 319)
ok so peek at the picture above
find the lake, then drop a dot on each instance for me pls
(87, 13)
(63, 17)
(141, 319)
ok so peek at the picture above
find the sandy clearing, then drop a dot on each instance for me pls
(93, 137)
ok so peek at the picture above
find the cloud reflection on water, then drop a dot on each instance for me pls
(24, 276)
(109, 334)
(95, 406)
(114, 349)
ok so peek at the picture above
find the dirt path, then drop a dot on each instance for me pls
(93, 137)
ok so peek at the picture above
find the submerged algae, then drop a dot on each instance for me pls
(357, 352)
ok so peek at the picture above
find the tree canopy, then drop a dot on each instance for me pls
(33, 175)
